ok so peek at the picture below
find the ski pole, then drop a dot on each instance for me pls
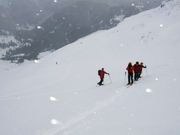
(125, 78)
(110, 78)
(146, 71)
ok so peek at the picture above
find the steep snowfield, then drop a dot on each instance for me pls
(46, 98)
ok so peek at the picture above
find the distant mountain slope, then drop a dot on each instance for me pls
(50, 25)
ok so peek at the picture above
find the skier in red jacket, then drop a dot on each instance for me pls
(130, 73)
(141, 66)
(101, 74)
(136, 68)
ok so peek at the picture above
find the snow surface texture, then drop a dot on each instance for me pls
(57, 95)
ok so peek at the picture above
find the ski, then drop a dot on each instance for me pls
(128, 85)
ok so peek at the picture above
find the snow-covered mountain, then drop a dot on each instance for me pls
(57, 95)
(47, 25)
(63, 25)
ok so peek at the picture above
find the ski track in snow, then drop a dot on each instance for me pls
(62, 128)
(14, 96)
(78, 119)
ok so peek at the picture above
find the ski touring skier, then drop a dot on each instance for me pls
(130, 73)
(141, 66)
(101, 74)
(136, 69)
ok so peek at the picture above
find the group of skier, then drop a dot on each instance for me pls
(134, 73)
(134, 70)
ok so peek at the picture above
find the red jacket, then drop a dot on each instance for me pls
(137, 68)
(130, 69)
(102, 74)
(141, 67)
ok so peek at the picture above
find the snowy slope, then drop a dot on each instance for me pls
(46, 98)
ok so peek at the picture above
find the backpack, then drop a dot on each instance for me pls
(99, 72)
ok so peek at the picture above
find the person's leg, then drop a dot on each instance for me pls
(131, 78)
(136, 76)
(140, 74)
(101, 81)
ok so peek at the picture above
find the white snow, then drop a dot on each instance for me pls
(55, 1)
(39, 27)
(36, 61)
(26, 27)
(54, 122)
(7, 39)
(132, 4)
(43, 54)
(148, 90)
(53, 99)
(46, 98)
(161, 25)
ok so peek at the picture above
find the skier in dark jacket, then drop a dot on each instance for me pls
(101, 74)
(136, 68)
(130, 73)
(141, 66)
